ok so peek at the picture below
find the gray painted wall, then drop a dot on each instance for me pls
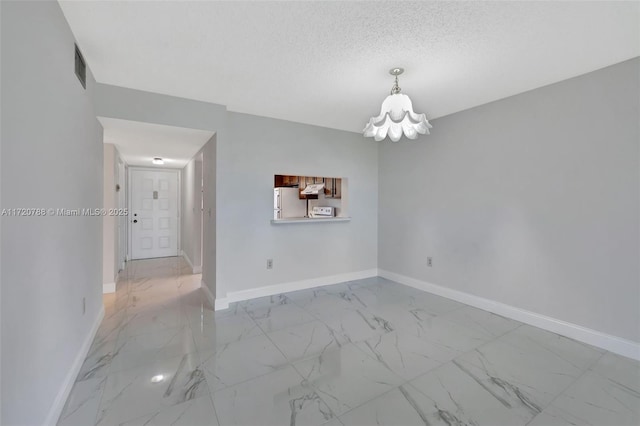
(197, 213)
(247, 152)
(52, 157)
(137, 105)
(187, 194)
(258, 148)
(191, 226)
(129, 104)
(110, 263)
(532, 201)
(210, 222)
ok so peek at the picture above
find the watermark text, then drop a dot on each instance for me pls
(63, 212)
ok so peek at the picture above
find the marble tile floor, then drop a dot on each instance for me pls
(367, 352)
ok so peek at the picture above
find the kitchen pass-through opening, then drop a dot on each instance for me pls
(309, 197)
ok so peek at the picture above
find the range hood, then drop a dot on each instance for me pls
(313, 189)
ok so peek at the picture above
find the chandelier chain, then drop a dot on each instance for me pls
(395, 89)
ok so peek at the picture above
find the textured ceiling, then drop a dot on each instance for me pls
(139, 142)
(326, 63)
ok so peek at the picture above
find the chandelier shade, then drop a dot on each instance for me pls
(397, 117)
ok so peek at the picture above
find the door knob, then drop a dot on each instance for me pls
(135, 220)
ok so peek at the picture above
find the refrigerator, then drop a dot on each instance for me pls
(287, 203)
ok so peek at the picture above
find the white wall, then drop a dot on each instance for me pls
(258, 148)
(210, 222)
(532, 201)
(190, 228)
(247, 152)
(110, 263)
(198, 212)
(122, 221)
(52, 157)
(496, 196)
(202, 253)
(136, 105)
(187, 177)
(1, 207)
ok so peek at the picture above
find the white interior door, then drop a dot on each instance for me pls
(154, 213)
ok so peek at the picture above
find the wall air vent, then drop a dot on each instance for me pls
(81, 67)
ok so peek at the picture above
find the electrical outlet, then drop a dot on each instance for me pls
(84, 305)
(269, 263)
(429, 261)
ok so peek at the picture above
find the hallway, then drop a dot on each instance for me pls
(145, 333)
(364, 352)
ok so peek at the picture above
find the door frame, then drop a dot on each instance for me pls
(122, 221)
(130, 199)
(198, 200)
(201, 206)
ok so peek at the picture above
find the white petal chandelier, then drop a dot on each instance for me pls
(397, 117)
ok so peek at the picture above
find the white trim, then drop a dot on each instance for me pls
(70, 379)
(609, 342)
(121, 197)
(309, 220)
(186, 258)
(194, 269)
(221, 304)
(237, 296)
(110, 287)
(210, 297)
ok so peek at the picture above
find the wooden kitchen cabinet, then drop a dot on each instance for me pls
(337, 193)
(285, 181)
(333, 186)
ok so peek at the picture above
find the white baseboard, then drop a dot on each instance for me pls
(110, 287)
(237, 296)
(186, 258)
(210, 297)
(70, 379)
(611, 343)
(221, 304)
(194, 269)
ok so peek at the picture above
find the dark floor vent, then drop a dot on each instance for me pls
(81, 68)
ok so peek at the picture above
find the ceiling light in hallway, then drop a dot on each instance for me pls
(157, 379)
(158, 161)
(397, 116)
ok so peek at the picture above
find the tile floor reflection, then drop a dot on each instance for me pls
(367, 352)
